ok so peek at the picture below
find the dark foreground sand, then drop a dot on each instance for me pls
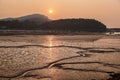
(28, 58)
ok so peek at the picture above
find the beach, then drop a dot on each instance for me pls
(59, 57)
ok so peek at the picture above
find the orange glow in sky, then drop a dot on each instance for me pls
(106, 11)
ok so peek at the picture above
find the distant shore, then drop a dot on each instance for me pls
(41, 32)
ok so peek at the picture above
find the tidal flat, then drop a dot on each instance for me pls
(55, 57)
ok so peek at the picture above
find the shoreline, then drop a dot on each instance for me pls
(42, 32)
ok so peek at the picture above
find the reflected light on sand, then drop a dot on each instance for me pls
(52, 54)
(50, 43)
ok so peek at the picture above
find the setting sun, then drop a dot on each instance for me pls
(51, 11)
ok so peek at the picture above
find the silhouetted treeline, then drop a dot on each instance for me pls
(71, 25)
(87, 25)
(16, 24)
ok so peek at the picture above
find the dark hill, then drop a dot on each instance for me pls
(24, 22)
(46, 26)
(80, 25)
(38, 18)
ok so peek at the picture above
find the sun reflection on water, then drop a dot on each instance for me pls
(52, 54)
(50, 39)
(51, 50)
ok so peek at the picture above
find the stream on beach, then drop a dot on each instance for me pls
(60, 57)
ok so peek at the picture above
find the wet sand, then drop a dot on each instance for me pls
(34, 58)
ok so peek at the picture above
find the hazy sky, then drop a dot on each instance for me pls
(106, 11)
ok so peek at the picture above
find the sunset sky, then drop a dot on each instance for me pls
(106, 11)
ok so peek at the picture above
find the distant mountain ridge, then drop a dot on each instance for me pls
(47, 26)
(38, 18)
